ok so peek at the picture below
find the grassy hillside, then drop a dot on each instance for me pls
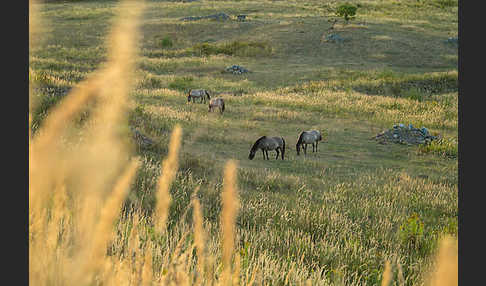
(334, 216)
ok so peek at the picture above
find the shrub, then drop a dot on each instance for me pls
(412, 232)
(347, 11)
(166, 42)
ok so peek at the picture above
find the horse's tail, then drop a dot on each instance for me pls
(222, 106)
(283, 148)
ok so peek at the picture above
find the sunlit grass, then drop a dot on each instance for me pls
(103, 212)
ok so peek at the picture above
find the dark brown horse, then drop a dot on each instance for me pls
(267, 144)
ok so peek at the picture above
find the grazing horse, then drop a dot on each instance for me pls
(216, 102)
(198, 93)
(268, 143)
(308, 137)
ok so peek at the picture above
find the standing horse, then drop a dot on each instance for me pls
(268, 143)
(198, 93)
(216, 102)
(308, 137)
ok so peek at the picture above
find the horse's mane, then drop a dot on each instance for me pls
(299, 141)
(255, 146)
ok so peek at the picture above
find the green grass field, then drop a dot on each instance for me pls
(334, 216)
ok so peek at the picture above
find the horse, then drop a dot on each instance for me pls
(308, 137)
(216, 102)
(268, 143)
(198, 93)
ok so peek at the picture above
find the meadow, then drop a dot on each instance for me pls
(192, 208)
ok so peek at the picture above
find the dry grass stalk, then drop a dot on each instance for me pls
(387, 275)
(84, 167)
(147, 273)
(199, 240)
(103, 231)
(169, 170)
(445, 272)
(230, 203)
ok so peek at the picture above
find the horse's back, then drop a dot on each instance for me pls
(216, 101)
(197, 92)
(279, 141)
(310, 136)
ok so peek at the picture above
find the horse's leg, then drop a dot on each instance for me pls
(317, 142)
(263, 152)
(304, 146)
(277, 154)
(266, 151)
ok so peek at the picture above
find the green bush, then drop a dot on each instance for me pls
(166, 42)
(412, 232)
(347, 11)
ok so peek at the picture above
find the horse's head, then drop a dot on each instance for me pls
(252, 155)
(207, 94)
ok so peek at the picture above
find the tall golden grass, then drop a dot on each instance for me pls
(77, 188)
(169, 169)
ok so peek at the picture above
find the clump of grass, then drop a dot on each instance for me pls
(414, 94)
(445, 3)
(182, 83)
(412, 232)
(446, 147)
(166, 42)
(151, 82)
(235, 48)
(395, 84)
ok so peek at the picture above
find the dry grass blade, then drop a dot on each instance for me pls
(445, 272)
(104, 228)
(169, 170)
(385, 281)
(199, 240)
(230, 203)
